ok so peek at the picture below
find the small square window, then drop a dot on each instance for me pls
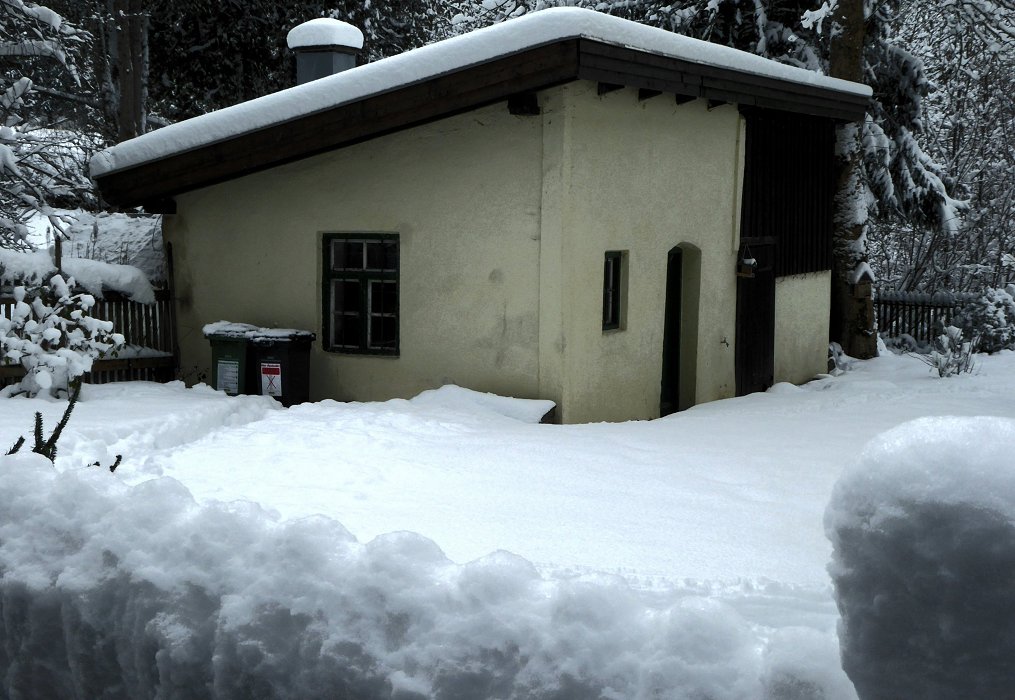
(612, 289)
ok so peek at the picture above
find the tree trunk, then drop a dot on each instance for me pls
(131, 22)
(852, 318)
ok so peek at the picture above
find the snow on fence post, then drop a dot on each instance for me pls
(923, 532)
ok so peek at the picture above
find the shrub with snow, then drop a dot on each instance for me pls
(991, 317)
(52, 336)
(950, 354)
(923, 530)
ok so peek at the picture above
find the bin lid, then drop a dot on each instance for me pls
(245, 331)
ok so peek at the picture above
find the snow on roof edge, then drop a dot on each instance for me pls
(482, 45)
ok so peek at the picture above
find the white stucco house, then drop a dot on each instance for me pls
(557, 207)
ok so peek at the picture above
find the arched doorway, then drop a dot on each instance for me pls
(680, 329)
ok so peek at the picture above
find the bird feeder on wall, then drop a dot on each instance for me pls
(746, 263)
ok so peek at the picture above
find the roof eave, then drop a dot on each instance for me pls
(153, 184)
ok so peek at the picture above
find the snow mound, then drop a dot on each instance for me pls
(784, 388)
(924, 564)
(143, 590)
(17, 268)
(458, 399)
(127, 239)
(96, 276)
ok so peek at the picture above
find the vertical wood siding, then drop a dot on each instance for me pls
(789, 187)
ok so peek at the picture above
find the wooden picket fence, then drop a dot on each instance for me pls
(922, 315)
(150, 333)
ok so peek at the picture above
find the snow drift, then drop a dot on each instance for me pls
(112, 591)
(924, 563)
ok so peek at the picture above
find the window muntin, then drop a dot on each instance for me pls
(357, 254)
(361, 293)
(612, 289)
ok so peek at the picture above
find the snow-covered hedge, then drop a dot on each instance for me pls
(924, 562)
(990, 317)
(139, 592)
(35, 268)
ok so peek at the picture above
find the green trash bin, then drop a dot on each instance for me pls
(229, 356)
(279, 362)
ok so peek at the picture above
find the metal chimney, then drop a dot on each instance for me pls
(323, 47)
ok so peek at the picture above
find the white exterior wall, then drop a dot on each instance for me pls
(802, 311)
(503, 223)
(464, 196)
(641, 177)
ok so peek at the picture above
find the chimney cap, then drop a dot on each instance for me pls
(324, 32)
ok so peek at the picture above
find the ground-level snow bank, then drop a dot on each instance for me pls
(110, 590)
(924, 564)
(133, 419)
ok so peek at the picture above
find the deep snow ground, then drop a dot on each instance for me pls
(725, 499)
(683, 557)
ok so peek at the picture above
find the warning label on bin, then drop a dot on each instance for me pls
(228, 378)
(271, 379)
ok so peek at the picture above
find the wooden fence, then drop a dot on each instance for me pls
(922, 315)
(150, 334)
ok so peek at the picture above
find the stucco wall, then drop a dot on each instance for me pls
(802, 310)
(464, 196)
(641, 177)
(503, 223)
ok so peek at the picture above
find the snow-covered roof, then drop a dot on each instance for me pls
(481, 46)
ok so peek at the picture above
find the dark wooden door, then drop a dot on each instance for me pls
(669, 395)
(755, 354)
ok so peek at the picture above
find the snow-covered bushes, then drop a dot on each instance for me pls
(950, 354)
(55, 340)
(924, 561)
(991, 317)
(52, 336)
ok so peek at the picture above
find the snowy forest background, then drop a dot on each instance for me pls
(938, 160)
